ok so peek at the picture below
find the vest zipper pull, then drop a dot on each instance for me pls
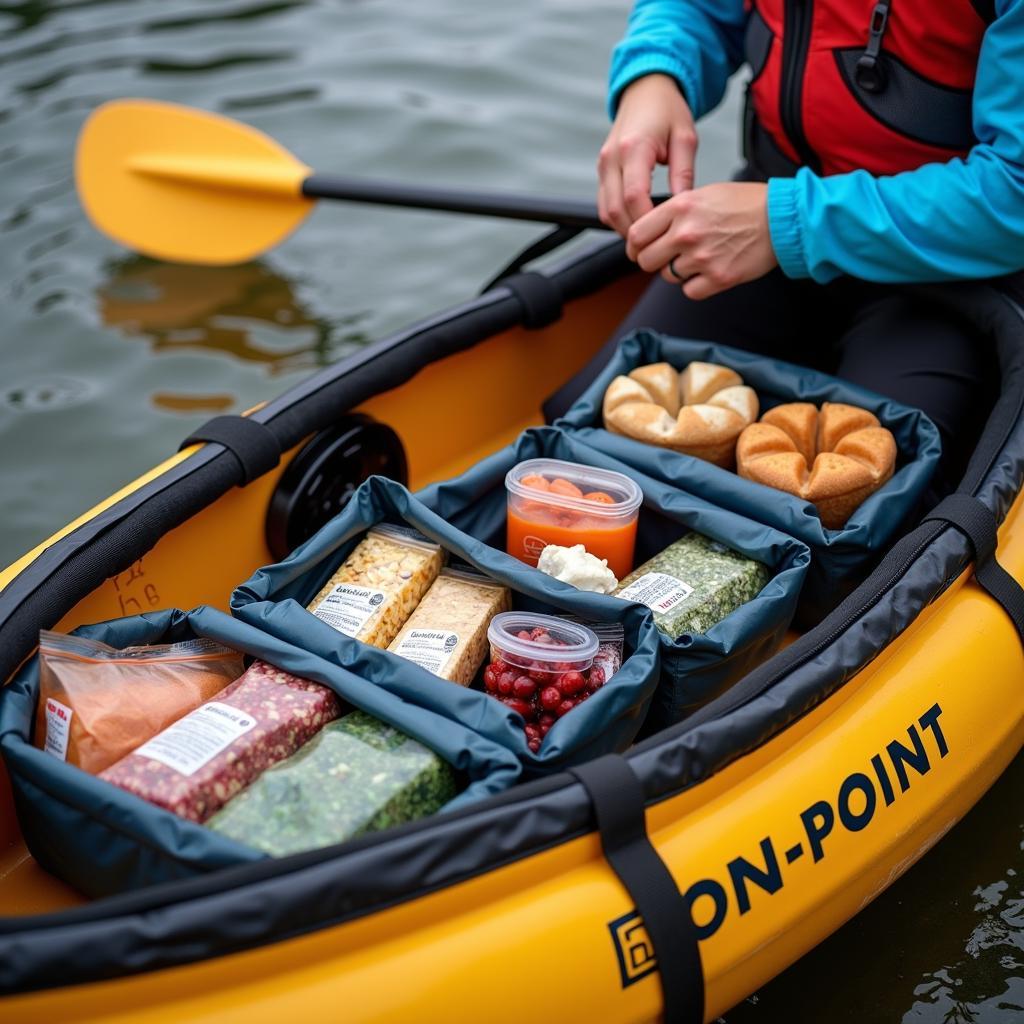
(870, 72)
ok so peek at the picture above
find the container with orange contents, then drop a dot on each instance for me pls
(565, 503)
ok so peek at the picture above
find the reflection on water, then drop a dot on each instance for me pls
(247, 311)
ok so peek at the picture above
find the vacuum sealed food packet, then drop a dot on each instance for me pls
(98, 703)
(194, 767)
(447, 633)
(380, 583)
(356, 775)
(693, 584)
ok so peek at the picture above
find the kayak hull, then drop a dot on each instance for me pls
(775, 850)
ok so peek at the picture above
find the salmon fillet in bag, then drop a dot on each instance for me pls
(98, 703)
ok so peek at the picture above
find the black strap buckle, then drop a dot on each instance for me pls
(618, 801)
(870, 71)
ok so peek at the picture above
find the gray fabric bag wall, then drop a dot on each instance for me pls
(103, 840)
(695, 667)
(839, 558)
(275, 598)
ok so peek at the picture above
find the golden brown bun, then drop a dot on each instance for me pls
(834, 458)
(699, 412)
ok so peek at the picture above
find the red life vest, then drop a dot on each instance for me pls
(845, 84)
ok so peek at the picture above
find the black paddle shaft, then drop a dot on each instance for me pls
(571, 213)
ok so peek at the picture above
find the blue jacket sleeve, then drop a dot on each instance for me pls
(962, 219)
(698, 42)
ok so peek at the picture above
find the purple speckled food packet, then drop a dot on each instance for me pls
(199, 763)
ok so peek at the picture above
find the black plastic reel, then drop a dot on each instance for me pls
(324, 475)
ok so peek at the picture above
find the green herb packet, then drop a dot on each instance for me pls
(356, 775)
(693, 584)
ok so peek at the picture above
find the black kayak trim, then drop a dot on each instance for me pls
(214, 915)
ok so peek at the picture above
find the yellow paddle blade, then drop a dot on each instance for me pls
(186, 185)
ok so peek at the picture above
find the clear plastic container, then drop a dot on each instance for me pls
(565, 503)
(551, 642)
(541, 667)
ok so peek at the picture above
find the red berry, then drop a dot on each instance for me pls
(565, 707)
(532, 731)
(519, 706)
(491, 679)
(506, 682)
(538, 673)
(524, 687)
(571, 683)
(500, 665)
(533, 744)
(595, 678)
(550, 698)
(546, 721)
(540, 635)
(545, 728)
(523, 634)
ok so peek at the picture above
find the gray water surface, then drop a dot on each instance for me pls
(107, 359)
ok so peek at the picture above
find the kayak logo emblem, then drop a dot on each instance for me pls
(633, 948)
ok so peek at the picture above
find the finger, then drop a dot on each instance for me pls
(654, 224)
(682, 151)
(637, 169)
(701, 287)
(678, 270)
(614, 214)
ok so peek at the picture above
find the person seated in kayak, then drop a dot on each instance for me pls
(884, 145)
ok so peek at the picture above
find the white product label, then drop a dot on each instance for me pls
(198, 738)
(348, 608)
(659, 591)
(58, 728)
(430, 648)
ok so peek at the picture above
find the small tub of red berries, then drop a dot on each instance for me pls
(542, 667)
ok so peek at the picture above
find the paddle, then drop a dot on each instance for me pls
(189, 186)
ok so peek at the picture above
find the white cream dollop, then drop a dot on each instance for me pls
(577, 567)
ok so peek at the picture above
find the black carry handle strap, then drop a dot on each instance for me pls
(252, 444)
(618, 801)
(975, 520)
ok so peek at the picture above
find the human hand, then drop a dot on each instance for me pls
(653, 126)
(708, 239)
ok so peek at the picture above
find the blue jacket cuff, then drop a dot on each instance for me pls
(786, 227)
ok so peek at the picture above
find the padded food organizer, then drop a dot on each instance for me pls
(695, 666)
(275, 601)
(103, 839)
(839, 557)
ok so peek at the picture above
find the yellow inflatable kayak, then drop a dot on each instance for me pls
(780, 809)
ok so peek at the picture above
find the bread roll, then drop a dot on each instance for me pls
(834, 458)
(699, 412)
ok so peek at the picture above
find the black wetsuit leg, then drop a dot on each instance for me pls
(773, 315)
(898, 345)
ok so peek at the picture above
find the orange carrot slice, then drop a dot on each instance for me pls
(570, 490)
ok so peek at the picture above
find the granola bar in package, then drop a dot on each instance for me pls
(98, 703)
(357, 775)
(447, 633)
(377, 587)
(194, 767)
